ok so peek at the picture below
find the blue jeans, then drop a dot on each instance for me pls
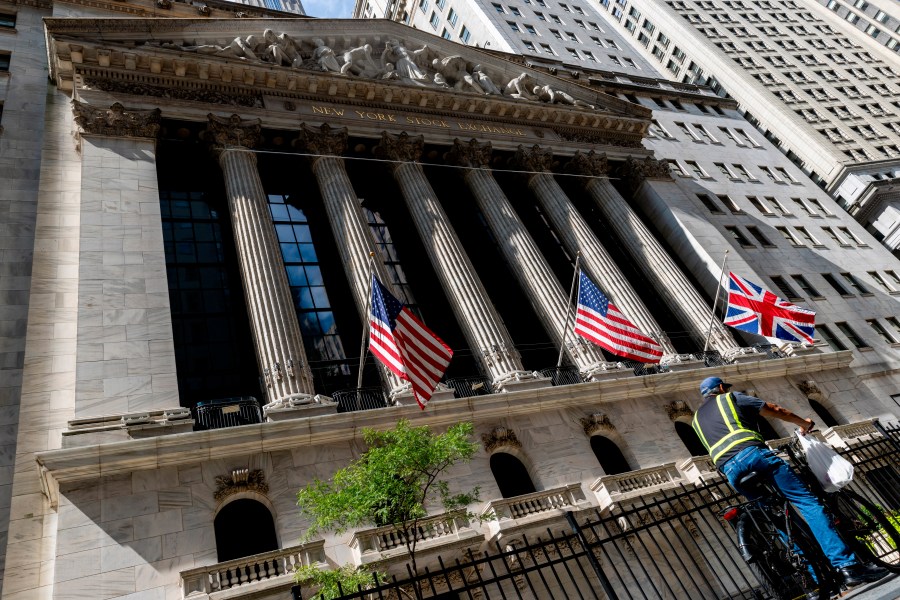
(766, 463)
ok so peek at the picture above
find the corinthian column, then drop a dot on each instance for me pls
(577, 236)
(546, 295)
(667, 278)
(273, 319)
(351, 231)
(482, 326)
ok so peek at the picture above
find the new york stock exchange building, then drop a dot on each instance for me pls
(191, 205)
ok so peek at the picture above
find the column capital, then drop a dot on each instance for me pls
(401, 147)
(223, 132)
(535, 159)
(323, 140)
(648, 168)
(116, 121)
(473, 154)
(591, 164)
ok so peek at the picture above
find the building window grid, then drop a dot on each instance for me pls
(305, 279)
(806, 286)
(856, 284)
(835, 284)
(882, 332)
(851, 335)
(830, 338)
(785, 288)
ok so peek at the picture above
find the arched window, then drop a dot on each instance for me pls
(689, 439)
(511, 475)
(243, 528)
(611, 459)
(826, 418)
(765, 428)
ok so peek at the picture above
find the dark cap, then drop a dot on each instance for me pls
(709, 385)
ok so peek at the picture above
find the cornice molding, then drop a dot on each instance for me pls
(75, 464)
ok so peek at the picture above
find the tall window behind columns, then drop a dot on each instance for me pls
(500, 281)
(374, 183)
(214, 355)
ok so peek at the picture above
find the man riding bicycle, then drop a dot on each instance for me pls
(727, 424)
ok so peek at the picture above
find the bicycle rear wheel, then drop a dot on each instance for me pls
(868, 531)
(767, 557)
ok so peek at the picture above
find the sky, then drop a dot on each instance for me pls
(328, 8)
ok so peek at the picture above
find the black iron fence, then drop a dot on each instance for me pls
(668, 544)
(359, 399)
(467, 387)
(226, 412)
(562, 375)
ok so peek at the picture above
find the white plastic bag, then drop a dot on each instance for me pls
(831, 469)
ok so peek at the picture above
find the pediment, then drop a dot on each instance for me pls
(382, 63)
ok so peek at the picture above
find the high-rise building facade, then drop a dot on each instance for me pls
(190, 205)
(819, 80)
(823, 91)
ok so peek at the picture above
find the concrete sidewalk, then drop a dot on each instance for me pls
(885, 589)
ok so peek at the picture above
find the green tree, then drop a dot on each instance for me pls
(333, 583)
(393, 482)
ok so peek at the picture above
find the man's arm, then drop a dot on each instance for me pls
(773, 410)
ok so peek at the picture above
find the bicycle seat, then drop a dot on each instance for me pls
(750, 480)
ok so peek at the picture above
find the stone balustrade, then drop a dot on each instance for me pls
(698, 468)
(118, 427)
(544, 501)
(436, 531)
(611, 489)
(842, 435)
(266, 567)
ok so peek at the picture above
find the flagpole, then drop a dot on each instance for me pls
(562, 345)
(365, 333)
(712, 319)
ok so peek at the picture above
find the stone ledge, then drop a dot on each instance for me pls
(87, 462)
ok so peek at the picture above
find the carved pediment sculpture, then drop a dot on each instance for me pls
(116, 121)
(240, 480)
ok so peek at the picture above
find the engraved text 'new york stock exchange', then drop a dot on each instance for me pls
(401, 119)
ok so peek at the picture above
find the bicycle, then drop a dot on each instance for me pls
(862, 524)
(778, 546)
(782, 552)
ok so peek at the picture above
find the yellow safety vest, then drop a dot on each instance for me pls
(724, 428)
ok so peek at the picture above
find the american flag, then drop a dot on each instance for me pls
(405, 346)
(599, 321)
(759, 311)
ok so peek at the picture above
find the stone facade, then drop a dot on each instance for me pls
(109, 496)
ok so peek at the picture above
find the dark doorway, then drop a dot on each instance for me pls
(825, 417)
(689, 439)
(244, 528)
(765, 428)
(511, 475)
(611, 459)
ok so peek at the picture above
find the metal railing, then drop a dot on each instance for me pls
(468, 387)
(668, 542)
(370, 398)
(226, 412)
(562, 375)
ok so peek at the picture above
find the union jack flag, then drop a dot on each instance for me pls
(405, 346)
(756, 310)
